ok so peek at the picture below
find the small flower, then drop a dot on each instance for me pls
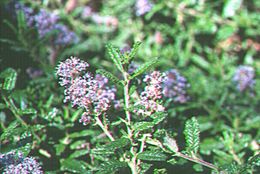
(244, 78)
(142, 7)
(151, 94)
(16, 163)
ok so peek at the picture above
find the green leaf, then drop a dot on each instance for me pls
(134, 51)
(27, 111)
(110, 76)
(140, 126)
(79, 153)
(21, 20)
(144, 67)
(83, 133)
(152, 156)
(10, 76)
(192, 135)
(115, 55)
(111, 166)
(74, 166)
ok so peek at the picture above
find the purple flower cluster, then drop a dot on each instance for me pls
(244, 77)
(142, 7)
(83, 89)
(151, 95)
(46, 23)
(16, 163)
(175, 86)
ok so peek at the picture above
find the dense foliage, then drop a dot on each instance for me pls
(129, 86)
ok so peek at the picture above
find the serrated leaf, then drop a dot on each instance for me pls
(111, 166)
(74, 166)
(110, 76)
(144, 67)
(134, 51)
(192, 135)
(140, 126)
(10, 76)
(114, 54)
(152, 156)
(102, 152)
(108, 149)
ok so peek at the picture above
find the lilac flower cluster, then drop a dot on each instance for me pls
(83, 89)
(244, 78)
(17, 164)
(142, 7)
(175, 86)
(149, 98)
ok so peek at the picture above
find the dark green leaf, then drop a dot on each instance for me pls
(74, 166)
(140, 126)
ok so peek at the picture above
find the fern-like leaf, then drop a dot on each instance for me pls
(144, 67)
(115, 55)
(192, 135)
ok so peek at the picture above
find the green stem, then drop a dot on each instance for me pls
(196, 160)
(134, 162)
(100, 124)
